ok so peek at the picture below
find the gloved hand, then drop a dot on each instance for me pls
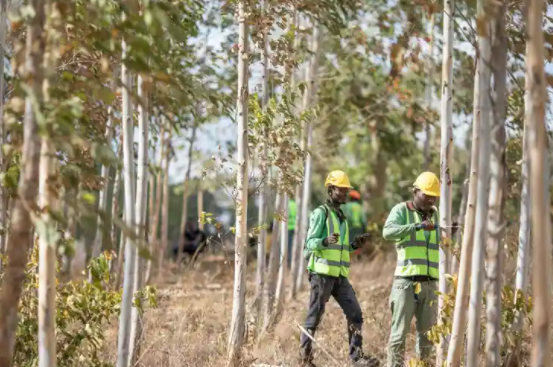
(358, 241)
(331, 240)
(427, 225)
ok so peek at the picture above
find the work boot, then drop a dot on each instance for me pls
(306, 360)
(366, 361)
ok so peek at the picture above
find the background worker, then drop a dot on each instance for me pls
(411, 225)
(355, 214)
(328, 249)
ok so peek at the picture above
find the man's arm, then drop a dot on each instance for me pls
(396, 226)
(316, 233)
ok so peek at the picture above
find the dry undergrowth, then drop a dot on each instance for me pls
(190, 325)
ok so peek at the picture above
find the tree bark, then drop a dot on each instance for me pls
(200, 205)
(462, 296)
(165, 201)
(21, 226)
(307, 102)
(428, 95)
(272, 274)
(524, 233)
(186, 183)
(130, 253)
(481, 230)
(539, 186)
(140, 215)
(3, 198)
(236, 336)
(283, 255)
(262, 209)
(445, 161)
(154, 222)
(498, 177)
(103, 198)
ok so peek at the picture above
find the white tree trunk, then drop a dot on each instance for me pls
(272, 274)
(237, 324)
(165, 202)
(115, 263)
(140, 215)
(47, 261)
(445, 161)
(428, 94)
(154, 221)
(539, 186)
(262, 209)
(524, 233)
(103, 198)
(21, 227)
(297, 247)
(283, 254)
(130, 253)
(200, 206)
(498, 176)
(307, 102)
(3, 201)
(481, 228)
(462, 297)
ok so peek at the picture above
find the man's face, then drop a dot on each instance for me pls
(423, 201)
(339, 194)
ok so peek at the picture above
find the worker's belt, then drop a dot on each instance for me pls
(419, 278)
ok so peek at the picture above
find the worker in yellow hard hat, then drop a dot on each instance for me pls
(412, 226)
(327, 251)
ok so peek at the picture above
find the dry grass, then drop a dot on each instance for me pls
(190, 325)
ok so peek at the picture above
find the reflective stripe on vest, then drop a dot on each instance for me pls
(416, 255)
(334, 259)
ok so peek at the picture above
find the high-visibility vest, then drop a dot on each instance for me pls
(334, 259)
(417, 255)
(355, 211)
(292, 212)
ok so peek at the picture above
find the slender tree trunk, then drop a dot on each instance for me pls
(458, 238)
(445, 161)
(297, 248)
(165, 201)
(462, 297)
(308, 100)
(498, 181)
(47, 262)
(21, 226)
(271, 281)
(140, 215)
(283, 255)
(115, 263)
(186, 184)
(539, 186)
(3, 198)
(200, 205)
(103, 198)
(154, 222)
(130, 253)
(524, 233)
(236, 337)
(262, 209)
(121, 255)
(481, 228)
(428, 95)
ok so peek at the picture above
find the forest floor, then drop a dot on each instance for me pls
(189, 327)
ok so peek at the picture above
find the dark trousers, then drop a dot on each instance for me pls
(322, 287)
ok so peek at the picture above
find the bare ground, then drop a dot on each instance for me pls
(190, 325)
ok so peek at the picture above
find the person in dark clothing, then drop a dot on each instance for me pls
(194, 240)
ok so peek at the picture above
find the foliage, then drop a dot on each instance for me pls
(83, 310)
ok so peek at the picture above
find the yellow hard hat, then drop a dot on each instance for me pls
(338, 179)
(428, 183)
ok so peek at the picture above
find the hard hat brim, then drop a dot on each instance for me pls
(430, 192)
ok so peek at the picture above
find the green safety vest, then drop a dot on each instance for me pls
(417, 255)
(333, 260)
(292, 213)
(355, 215)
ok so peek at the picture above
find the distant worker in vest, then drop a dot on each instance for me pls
(355, 214)
(292, 212)
(413, 227)
(327, 250)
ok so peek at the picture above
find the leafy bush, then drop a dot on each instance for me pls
(82, 311)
